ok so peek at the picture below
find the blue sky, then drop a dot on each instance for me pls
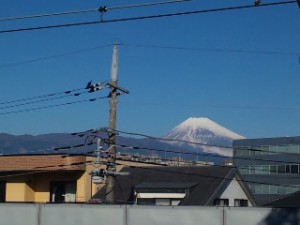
(254, 92)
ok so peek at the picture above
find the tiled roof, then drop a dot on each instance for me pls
(291, 200)
(206, 181)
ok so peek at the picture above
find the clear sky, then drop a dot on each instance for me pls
(239, 68)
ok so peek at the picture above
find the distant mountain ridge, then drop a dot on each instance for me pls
(199, 130)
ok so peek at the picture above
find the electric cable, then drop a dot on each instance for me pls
(101, 9)
(52, 106)
(144, 5)
(53, 56)
(147, 17)
(47, 99)
(89, 86)
(154, 168)
(221, 50)
(202, 154)
(61, 168)
(199, 143)
(48, 15)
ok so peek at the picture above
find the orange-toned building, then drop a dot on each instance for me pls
(50, 178)
(45, 178)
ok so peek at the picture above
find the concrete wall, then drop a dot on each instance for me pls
(78, 214)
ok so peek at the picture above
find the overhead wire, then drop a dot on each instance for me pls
(48, 15)
(145, 4)
(148, 17)
(52, 106)
(42, 96)
(201, 154)
(154, 168)
(63, 166)
(104, 8)
(198, 143)
(36, 170)
(220, 50)
(50, 95)
(109, 130)
(53, 56)
(86, 142)
(46, 99)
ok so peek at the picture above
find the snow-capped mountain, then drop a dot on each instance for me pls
(205, 131)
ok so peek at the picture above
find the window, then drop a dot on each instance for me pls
(261, 150)
(62, 191)
(157, 201)
(294, 168)
(281, 169)
(2, 191)
(241, 202)
(145, 201)
(221, 202)
(273, 169)
(287, 168)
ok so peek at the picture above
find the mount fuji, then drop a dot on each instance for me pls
(213, 137)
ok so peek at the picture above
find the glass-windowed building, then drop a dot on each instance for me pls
(270, 166)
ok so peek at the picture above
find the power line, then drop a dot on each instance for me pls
(145, 4)
(86, 142)
(170, 139)
(222, 50)
(147, 17)
(62, 167)
(101, 9)
(53, 56)
(153, 168)
(245, 107)
(95, 131)
(52, 106)
(88, 86)
(48, 15)
(201, 154)
(45, 100)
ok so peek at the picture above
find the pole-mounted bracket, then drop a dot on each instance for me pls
(118, 88)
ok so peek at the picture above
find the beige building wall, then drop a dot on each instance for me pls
(36, 187)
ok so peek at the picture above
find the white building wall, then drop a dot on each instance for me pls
(234, 191)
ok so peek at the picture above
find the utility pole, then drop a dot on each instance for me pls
(111, 162)
(111, 166)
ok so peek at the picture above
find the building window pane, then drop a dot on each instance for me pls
(287, 168)
(283, 148)
(266, 169)
(146, 201)
(2, 191)
(62, 191)
(281, 190)
(281, 169)
(258, 189)
(294, 169)
(273, 169)
(244, 170)
(273, 149)
(294, 149)
(241, 202)
(273, 189)
(266, 189)
(221, 202)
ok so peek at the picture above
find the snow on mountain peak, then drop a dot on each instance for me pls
(192, 125)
